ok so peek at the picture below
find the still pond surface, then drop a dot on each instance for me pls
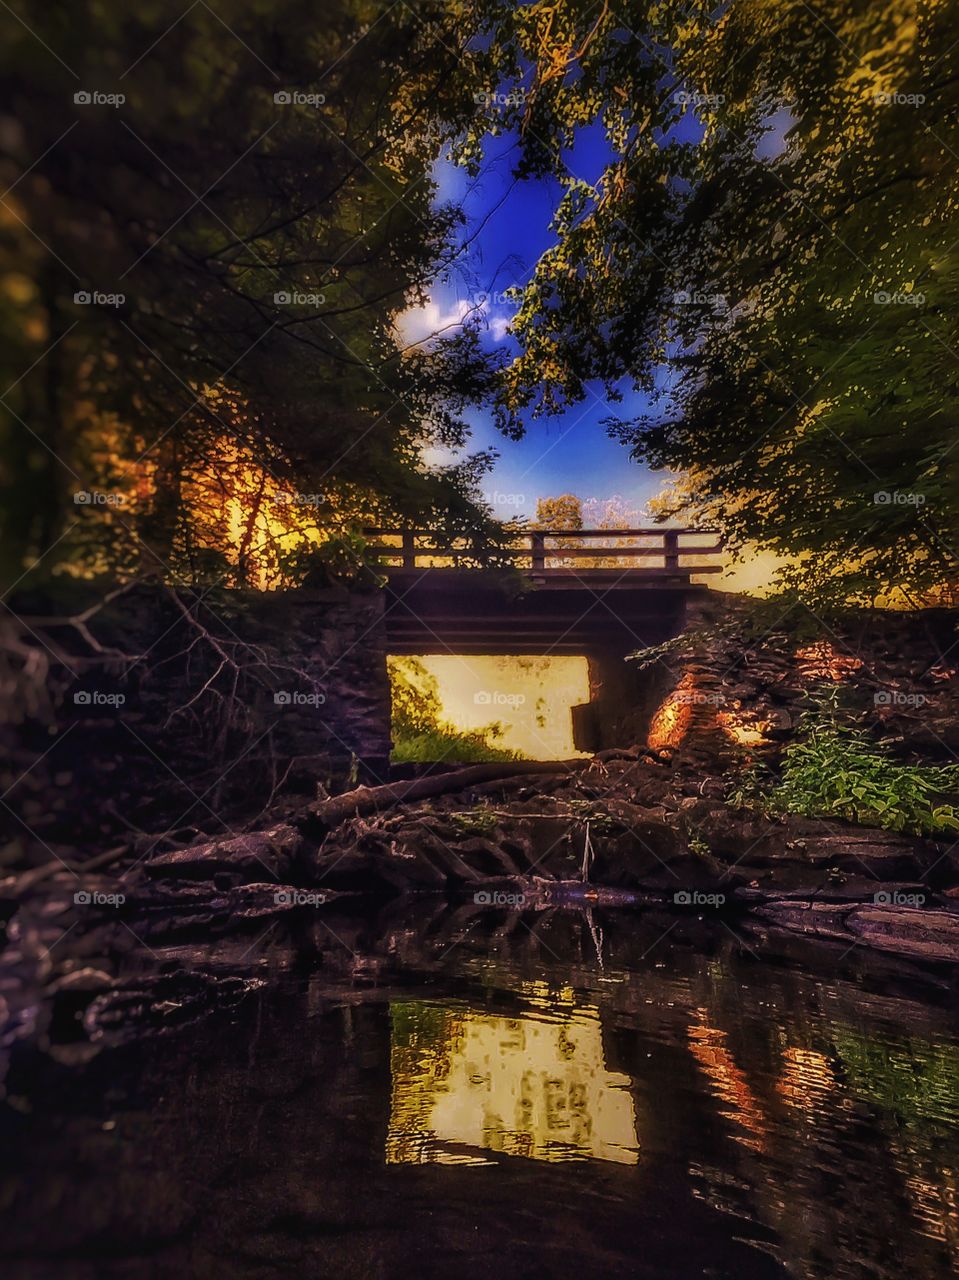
(573, 1097)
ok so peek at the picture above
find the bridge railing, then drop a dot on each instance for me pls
(655, 552)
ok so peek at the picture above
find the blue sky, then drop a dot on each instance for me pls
(508, 229)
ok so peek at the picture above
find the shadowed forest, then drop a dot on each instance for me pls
(479, 568)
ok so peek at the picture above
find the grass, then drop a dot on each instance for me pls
(422, 736)
(446, 743)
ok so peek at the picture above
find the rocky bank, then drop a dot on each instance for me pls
(648, 827)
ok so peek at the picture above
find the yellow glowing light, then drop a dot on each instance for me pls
(465, 1082)
(708, 1046)
(529, 696)
(737, 728)
(674, 716)
(806, 1079)
(935, 1197)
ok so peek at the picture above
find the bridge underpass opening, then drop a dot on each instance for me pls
(529, 696)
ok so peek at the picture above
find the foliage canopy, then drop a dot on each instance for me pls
(208, 229)
(776, 226)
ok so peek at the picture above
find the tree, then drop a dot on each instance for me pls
(564, 512)
(420, 732)
(208, 229)
(568, 511)
(776, 228)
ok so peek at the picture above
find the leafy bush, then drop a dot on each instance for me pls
(451, 745)
(834, 770)
(421, 736)
(339, 558)
(479, 821)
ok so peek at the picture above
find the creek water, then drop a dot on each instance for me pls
(421, 1095)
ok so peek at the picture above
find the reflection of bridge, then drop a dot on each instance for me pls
(589, 592)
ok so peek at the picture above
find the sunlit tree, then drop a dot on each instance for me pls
(208, 230)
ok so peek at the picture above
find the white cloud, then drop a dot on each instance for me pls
(498, 326)
(418, 324)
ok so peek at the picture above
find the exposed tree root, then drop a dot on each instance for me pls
(363, 800)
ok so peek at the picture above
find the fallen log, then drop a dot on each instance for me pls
(274, 850)
(363, 800)
(919, 933)
(16, 886)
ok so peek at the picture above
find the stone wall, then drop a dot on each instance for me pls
(749, 672)
(338, 640)
(743, 673)
(622, 704)
(624, 696)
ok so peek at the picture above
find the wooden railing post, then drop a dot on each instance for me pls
(409, 549)
(671, 549)
(572, 550)
(537, 550)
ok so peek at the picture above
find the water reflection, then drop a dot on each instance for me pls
(850, 1139)
(465, 1081)
(728, 1082)
(915, 1089)
(811, 1113)
(671, 1116)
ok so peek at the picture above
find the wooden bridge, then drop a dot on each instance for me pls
(617, 554)
(582, 591)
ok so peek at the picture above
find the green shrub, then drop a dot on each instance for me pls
(479, 821)
(421, 735)
(340, 558)
(445, 743)
(834, 770)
